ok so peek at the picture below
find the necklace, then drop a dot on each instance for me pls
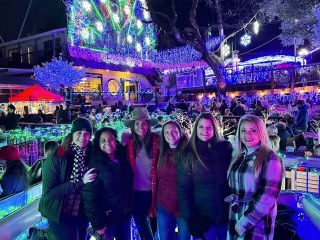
(209, 145)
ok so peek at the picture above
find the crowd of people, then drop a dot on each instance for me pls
(10, 120)
(162, 177)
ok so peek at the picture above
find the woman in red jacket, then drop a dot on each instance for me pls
(143, 151)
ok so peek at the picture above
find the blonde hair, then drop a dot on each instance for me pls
(274, 142)
(239, 147)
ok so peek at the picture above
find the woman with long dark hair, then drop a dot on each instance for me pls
(172, 140)
(143, 152)
(255, 177)
(108, 201)
(202, 182)
(64, 174)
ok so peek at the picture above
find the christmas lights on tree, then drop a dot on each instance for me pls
(114, 27)
(57, 72)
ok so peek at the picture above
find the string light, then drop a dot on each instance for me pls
(99, 26)
(256, 27)
(126, 9)
(85, 33)
(245, 40)
(138, 47)
(147, 41)
(129, 39)
(303, 52)
(226, 50)
(139, 24)
(87, 6)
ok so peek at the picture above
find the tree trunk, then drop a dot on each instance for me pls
(216, 68)
(220, 25)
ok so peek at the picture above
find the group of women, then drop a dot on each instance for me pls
(206, 187)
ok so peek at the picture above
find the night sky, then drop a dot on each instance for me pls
(46, 15)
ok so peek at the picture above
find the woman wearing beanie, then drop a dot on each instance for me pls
(143, 151)
(64, 175)
(108, 200)
(13, 173)
(202, 181)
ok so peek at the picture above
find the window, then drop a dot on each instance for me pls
(30, 53)
(11, 52)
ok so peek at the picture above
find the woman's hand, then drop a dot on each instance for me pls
(101, 231)
(239, 229)
(89, 176)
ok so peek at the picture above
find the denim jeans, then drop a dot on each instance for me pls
(120, 231)
(167, 224)
(215, 232)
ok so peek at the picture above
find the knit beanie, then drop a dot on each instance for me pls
(9, 153)
(81, 124)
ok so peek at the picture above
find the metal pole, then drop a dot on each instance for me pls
(25, 18)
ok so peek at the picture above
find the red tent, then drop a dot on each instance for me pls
(36, 93)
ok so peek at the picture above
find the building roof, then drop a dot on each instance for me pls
(18, 80)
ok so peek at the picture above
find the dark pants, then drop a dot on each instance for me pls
(68, 228)
(120, 231)
(216, 232)
(141, 208)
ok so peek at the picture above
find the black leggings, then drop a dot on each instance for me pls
(141, 208)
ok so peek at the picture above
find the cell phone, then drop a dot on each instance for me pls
(94, 234)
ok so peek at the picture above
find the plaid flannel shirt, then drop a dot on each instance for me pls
(256, 214)
(155, 155)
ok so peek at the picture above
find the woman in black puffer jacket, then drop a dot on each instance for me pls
(108, 200)
(202, 180)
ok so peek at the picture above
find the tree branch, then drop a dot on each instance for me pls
(239, 30)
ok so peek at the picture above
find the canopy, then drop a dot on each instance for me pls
(36, 93)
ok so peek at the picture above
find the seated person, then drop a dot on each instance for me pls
(300, 143)
(35, 171)
(283, 134)
(13, 172)
(316, 152)
(272, 130)
(275, 143)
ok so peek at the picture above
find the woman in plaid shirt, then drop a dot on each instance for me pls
(254, 176)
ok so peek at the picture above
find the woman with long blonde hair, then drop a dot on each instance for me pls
(254, 177)
(202, 182)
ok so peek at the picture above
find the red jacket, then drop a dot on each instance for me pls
(155, 155)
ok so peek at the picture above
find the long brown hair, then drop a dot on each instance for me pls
(146, 141)
(191, 155)
(164, 145)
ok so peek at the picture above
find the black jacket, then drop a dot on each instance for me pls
(11, 121)
(111, 191)
(202, 191)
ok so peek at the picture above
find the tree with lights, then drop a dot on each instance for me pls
(58, 72)
(300, 20)
(195, 33)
